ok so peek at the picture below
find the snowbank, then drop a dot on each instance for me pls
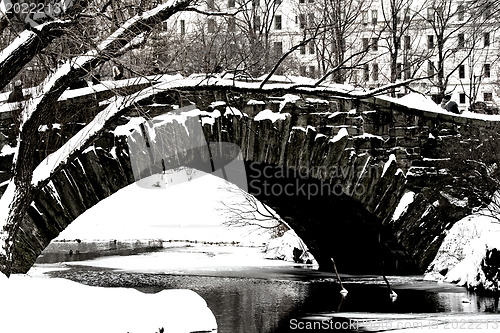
(58, 305)
(283, 248)
(420, 101)
(461, 255)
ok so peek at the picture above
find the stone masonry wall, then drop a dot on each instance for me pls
(310, 138)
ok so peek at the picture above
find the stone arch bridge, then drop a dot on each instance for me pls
(369, 181)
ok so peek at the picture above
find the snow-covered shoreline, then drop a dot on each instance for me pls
(59, 305)
(463, 255)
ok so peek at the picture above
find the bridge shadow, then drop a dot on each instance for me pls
(331, 223)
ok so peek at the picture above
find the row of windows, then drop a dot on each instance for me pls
(372, 43)
(406, 71)
(487, 97)
(460, 11)
(461, 70)
(311, 47)
(255, 3)
(431, 11)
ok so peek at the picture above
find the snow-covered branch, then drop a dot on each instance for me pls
(39, 110)
(26, 46)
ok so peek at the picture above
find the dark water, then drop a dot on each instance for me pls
(260, 300)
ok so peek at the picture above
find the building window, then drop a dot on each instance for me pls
(302, 1)
(303, 49)
(399, 70)
(366, 72)
(407, 15)
(277, 22)
(461, 98)
(430, 42)
(487, 11)
(365, 44)
(312, 48)
(460, 12)
(231, 24)
(364, 17)
(310, 22)
(354, 77)
(374, 16)
(487, 70)
(302, 70)
(312, 72)
(398, 42)
(461, 72)
(211, 25)
(211, 4)
(231, 3)
(255, 3)
(486, 39)
(232, 49)
(183, 27)
(277, 2)
(407, 71)
(407, 43)
(375, 44)
(461, 41)
(430, 68)
(488, 97)
(375, 72)
(278, 49)
(302, 21)
(430, 14)
(256, 23)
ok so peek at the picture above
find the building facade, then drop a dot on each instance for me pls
(436, 47)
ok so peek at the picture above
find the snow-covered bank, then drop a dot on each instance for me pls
(464, 254)
(180, 260)
(58, 305)
(186, 210)
(289, 247)
(190, 209)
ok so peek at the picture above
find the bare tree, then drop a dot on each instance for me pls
(481, 57)
(448, 20)
(339, 27)
(401, 19)
(39, 111)
(249, 211)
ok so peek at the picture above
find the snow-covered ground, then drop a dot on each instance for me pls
(460, 255)
(189, 210)
(58, 305)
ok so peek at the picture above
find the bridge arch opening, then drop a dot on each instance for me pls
(135, 219)
(330, 222)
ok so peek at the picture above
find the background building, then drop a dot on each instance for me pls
(444, 46)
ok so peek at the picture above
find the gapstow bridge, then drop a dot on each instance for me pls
(387, 190)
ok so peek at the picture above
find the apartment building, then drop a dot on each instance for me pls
(443, 46)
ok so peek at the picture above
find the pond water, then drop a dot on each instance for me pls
(266, 299)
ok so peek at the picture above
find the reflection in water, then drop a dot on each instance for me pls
(266, 299)
(254, 305)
